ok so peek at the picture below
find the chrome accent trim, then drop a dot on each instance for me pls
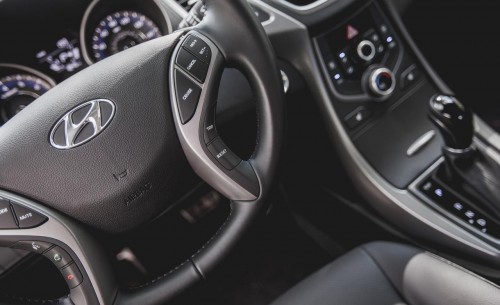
(359, 50)
(420, 143)
(37, 73)
(72, 129)
(459, 151)
(372, 81)
(286, 81)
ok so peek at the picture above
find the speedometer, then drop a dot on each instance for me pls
(18, 91)
(120, 31)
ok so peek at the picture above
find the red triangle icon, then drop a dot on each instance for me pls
(351, 32)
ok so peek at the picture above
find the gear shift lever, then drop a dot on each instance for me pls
(454, 121)
(469, 170)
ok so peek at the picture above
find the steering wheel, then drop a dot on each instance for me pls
(109, 148)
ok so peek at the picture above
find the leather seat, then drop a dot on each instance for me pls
(392, 274)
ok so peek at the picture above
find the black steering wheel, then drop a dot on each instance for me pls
(108, 148)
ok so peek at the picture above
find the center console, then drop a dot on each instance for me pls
(380, 92)
(379, 87)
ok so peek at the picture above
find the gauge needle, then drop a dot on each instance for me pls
(9, 93)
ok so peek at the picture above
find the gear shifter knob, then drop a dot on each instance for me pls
(454, 121)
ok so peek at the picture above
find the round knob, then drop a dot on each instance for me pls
(454, 120)
(381, 82)
(366, 50)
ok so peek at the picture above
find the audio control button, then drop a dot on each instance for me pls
(28, 218)
(6, 216)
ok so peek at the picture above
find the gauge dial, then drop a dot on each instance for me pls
(18, 91)
(120, 31)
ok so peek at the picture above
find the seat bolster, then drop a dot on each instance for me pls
(353, 279)
(423, 278)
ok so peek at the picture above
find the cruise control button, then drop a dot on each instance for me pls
(223, 154)
(6, 216)
(194, 66)
(28, 218)
(32, 246)
(188, 94)
(198, 47)
(209, 129)
(72, 276)
(58, 257)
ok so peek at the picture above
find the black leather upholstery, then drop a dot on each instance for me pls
(395, 274)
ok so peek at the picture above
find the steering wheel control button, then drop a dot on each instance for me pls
(28, 218)
(188, 94)
(7, 220)
(358, 117)
(72, 276)
(366, 50)
(191, 64)
(58, 257)
(223, 154)
(209, 129)
(198, 47)
(32, 246)
(381, 82)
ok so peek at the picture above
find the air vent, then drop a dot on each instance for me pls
(187, 4)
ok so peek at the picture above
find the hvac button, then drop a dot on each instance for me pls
(198, 47)
(358, 117)
(6, 216)
(28, 218)
(72, 276)
(223, 154)
(194, 66)
(188, 94)
(409, 76)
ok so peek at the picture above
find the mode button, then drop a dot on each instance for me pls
(6, 217)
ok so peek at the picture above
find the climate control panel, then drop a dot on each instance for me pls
(360, 56)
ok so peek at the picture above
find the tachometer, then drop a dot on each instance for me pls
(18, 91)
(120, 31)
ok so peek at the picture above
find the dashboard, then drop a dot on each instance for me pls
(52, 40)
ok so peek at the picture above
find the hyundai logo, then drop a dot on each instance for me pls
(82, 124)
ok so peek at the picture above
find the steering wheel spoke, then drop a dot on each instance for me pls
(32, 227)
(196, 70)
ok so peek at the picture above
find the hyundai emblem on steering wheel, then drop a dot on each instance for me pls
(82, 124)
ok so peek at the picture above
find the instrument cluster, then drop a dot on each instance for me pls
(45, 42)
